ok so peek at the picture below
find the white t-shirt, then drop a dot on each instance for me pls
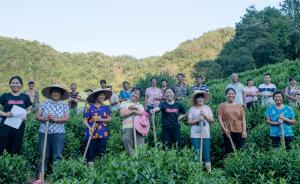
(238, 87)
(128, 121)
(266, 89)
(153, 93)
(200, 130)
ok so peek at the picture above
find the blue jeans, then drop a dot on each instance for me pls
(55, 146)
(205, 149)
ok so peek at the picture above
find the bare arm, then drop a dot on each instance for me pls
(244, 127)
(273, 123)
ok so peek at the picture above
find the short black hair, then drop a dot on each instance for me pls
(198, 76)
(268, 74)
(278, 92)
(230, 89)
(17, 78)
(153, 78)
(180, 74)
(291, 79)
(164, 80)
(171, 90)
(125, 82)
(136, 89)
(102, 81)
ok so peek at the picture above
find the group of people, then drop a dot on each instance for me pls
(99, 104)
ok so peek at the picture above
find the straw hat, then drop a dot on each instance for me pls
(92, 97)
(197, 93)
(141, 123)
(47, 91)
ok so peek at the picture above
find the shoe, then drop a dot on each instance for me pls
(90, 164)
(208, 167)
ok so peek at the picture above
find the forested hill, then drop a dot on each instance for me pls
(34, 60)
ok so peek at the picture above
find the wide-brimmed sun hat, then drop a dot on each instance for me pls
(47, 91)
(197, 93)
(142, 124)
(92, 97)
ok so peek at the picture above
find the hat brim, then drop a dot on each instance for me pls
(92, 97)
(144, 130)
(196, 94)
(47, 92)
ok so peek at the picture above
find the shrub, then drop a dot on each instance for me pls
(13, 169)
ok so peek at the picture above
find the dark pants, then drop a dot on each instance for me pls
(170, 136)
(11, 139)
(55, 146)
(251, 104)
(237, 140)
(276, 142)
(97, 147)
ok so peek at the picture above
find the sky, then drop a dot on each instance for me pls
(140, 28)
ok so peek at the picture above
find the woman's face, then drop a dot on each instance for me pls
(230, 96)
(135, 95)
(200, 101)
(164, 83)
(278, 99)
(250, 83)
(15, 85)
(293, 83)
(55, 95)
(100, 98)
(169, 94)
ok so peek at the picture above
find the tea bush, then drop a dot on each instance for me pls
(13, 169)
(257, 162)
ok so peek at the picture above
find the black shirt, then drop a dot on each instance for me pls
(7, 100)
(170, 113)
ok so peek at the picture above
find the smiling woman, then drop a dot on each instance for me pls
(11, 139)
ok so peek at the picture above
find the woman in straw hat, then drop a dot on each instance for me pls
(128, 110)
(200, 116)
(95, 119)
(56, 112)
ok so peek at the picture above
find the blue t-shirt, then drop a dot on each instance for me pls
(273, 113)
(125, 95)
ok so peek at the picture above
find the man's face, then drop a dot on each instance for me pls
(267, 79)
(73, 87)
(180, 78)
(234, 78)
(199, 80)
(31, 85)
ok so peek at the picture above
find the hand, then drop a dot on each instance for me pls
(133, 111)
(244, 135)
(8, 114)
(91, 130)
(97, 118)
(133, 107)
(152, 111)
(226, 131)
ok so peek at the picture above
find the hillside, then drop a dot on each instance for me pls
(255, 163)
(34, 60)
